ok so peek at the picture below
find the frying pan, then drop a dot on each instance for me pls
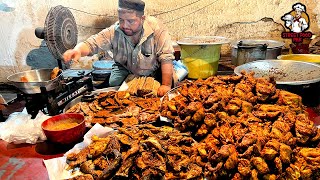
(37, 78)
(284, 71)
(302, 78)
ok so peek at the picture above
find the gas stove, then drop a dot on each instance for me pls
(72, 84)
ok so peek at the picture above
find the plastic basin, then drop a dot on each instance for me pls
(65, 136)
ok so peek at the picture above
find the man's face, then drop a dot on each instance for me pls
(130, 23)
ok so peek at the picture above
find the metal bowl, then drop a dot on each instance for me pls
(36, 79)
(284, 71)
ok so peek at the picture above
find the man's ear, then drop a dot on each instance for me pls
(143, 17)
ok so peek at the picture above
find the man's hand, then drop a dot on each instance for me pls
(71, 54)
(76, 53)
(163, 89)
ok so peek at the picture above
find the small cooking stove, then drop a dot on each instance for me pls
(72, 84)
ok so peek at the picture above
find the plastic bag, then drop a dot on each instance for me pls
(20, 128)
(180, 70)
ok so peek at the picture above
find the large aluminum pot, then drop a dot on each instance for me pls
(273, 50)
(36, 79)
(299, 77)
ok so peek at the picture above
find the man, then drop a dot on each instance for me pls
(138, 44)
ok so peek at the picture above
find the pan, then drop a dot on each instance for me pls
(36, 79)
(302, 78)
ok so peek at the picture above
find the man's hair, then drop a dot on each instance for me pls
(134, 5)
(138, 13)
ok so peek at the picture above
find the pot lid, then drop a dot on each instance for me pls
(103, 65)
(284, 71)
(271, 43)
(203, 40)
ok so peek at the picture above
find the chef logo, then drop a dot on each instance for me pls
(297, 21)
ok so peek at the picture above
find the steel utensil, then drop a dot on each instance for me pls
(284, 71)
(36, 79)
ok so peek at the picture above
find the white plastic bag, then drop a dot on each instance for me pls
(20, 128)
(180, 70)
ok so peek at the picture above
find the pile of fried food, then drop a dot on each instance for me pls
(225, 127)
(139, 152)
(118, 109)
(246, 128)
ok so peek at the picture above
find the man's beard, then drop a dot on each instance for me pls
(132, 33)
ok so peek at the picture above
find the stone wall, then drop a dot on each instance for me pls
(21, 50)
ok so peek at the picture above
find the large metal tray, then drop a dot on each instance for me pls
(286, 72)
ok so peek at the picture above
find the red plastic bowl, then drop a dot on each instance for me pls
(65, 136)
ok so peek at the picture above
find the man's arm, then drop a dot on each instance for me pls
(81, 49)
(100, 41)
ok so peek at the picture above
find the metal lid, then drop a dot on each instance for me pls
(203, 40)
(271, 43)
(103, 65)
(284, 71)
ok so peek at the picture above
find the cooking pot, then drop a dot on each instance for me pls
(39, 78)
(273, 48)
(299, 77)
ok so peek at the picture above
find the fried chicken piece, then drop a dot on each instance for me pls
(285, 153)
(55, 73)
(270, 177)
(129, 121)
(210, 120)
(304, 126)
(150, 159)
(199, 115)
(244, 167)
(232, 161)
(238, 131)
(292, 172)
(260, 164)
(246, 107)
(254, 175)
(248, 140)
(278, 164)
(290, 99)
(193, 171)
(226, 134)
(224, 152)
(269, 153)
(88, 167)
(75, 159)
(233, 106)
(247, 153)
(202, 131)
